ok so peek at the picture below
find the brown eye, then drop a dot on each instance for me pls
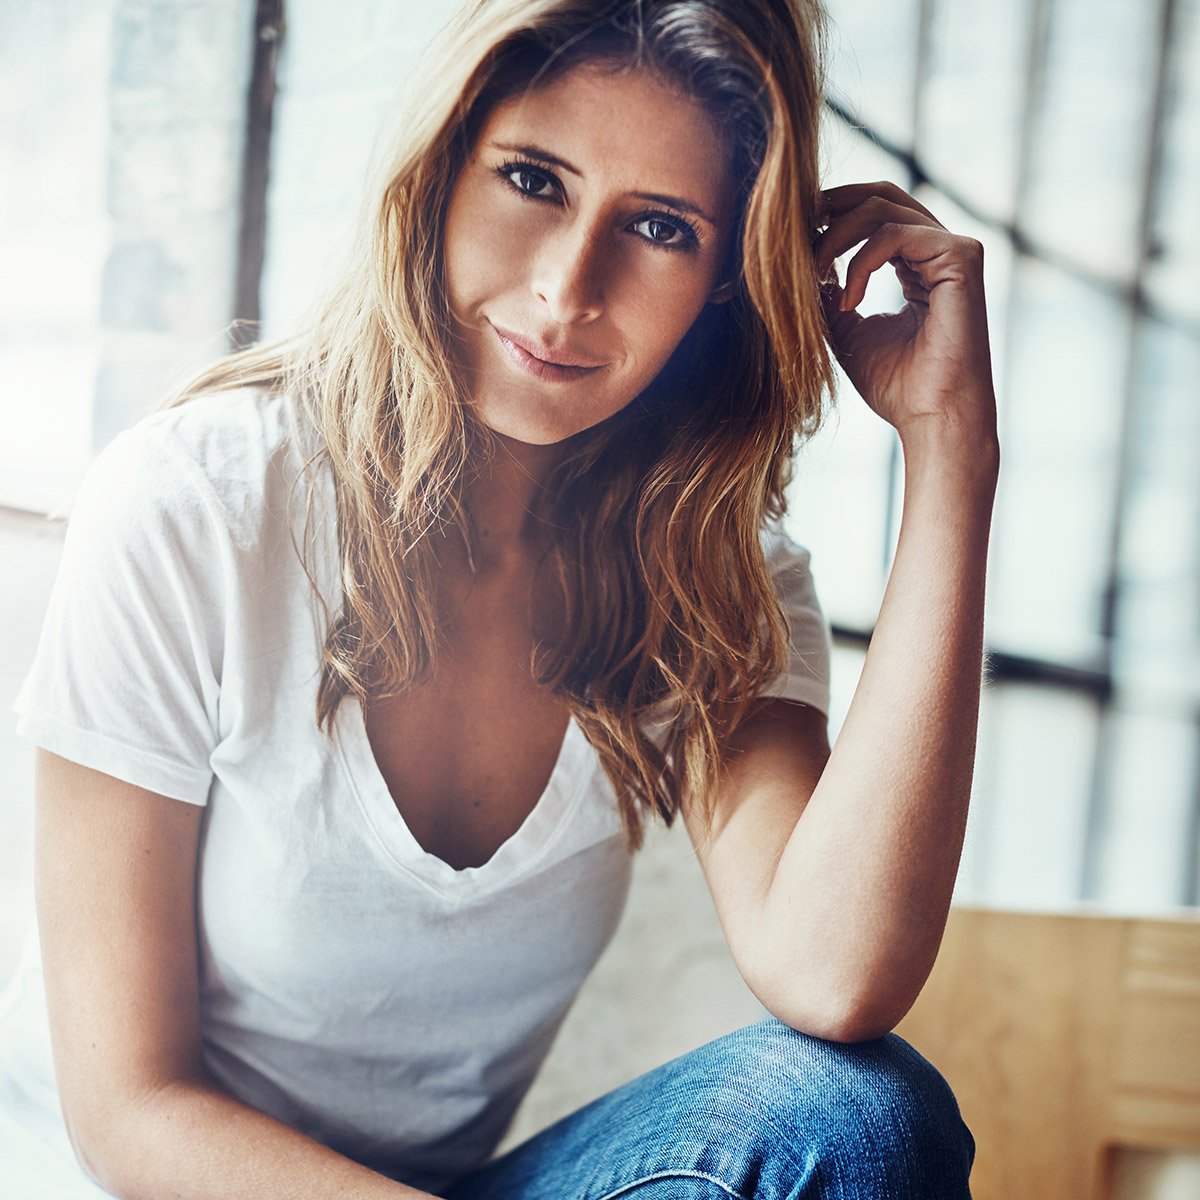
(531, 183)
(660, 231)
(671, 233)
(530, 180)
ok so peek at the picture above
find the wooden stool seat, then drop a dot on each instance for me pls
(1065, 1037)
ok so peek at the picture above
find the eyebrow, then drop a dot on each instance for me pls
(552, 160)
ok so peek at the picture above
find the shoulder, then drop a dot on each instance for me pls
(808, 674)
(234, 438)
(222, 458)
(782, 552)
(789, 565)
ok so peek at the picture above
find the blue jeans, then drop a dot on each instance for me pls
(763, 1113)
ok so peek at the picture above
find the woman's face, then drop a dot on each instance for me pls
(588, 227)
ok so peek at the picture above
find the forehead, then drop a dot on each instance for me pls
(629, 125)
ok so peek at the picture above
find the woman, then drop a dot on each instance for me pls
(544, 426)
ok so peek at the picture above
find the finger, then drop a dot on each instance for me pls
(859, 223)
(915, 244)
(838, 200)
(915, 292)
(841, 324)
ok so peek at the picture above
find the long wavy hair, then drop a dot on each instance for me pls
(672, 624)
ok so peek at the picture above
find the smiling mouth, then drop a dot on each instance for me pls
(540, 368)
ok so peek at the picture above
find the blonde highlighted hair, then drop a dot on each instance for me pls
(656, 511)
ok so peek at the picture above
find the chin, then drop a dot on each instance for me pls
(532, 435)
(516, 428)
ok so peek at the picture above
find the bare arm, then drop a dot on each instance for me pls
(861, 893)
(857, 905)
(115, 881)
(832, 872)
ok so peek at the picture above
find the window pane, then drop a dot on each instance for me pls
(1055, 497)
(873, 63)
(1174, 267)
(1025, 832)
(53, 238)
(1158, 613)
(1148, 792)
(973, 98)
(1091, 147)
(343, 68)
(176, 108)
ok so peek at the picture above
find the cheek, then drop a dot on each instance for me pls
(485, 250)
(659, 313)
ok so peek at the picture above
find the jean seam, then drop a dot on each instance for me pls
(672, 1174)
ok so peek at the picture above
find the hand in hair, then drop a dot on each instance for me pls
(928, 365)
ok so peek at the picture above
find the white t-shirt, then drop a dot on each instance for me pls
(352, 985)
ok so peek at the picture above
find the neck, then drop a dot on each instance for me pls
(499, 500)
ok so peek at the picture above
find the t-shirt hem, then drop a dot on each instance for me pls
(140, 767)
(800, 688)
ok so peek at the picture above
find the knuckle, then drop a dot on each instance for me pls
(973, 247)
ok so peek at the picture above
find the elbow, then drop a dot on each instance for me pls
(833, 1027)
(115, 1141)
(860, 1029)
(92, 1141)
(871, 1017)
(792, 998)
(835, 1013)
(839, 1027)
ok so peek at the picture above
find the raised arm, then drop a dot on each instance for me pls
(832, 873)
(115, 877)
(862, 889)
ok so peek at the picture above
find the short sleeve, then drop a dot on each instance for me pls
(126, 673)
(808, 673)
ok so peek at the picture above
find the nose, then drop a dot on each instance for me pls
(567, 275)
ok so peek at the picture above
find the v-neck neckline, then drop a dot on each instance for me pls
(517, 855)
(514, 857)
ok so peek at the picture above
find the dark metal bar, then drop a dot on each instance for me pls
(1100, 795)
(1191, 888)
(1097, 808)
(256, 165)
(1190, 891)
(1151, 186)
(1037, 51)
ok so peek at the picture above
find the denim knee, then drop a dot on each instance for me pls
(873, 1113)
(762, 1113)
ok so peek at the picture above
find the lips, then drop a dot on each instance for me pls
(541, 361)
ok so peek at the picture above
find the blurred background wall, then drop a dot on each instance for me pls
(167, 166)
